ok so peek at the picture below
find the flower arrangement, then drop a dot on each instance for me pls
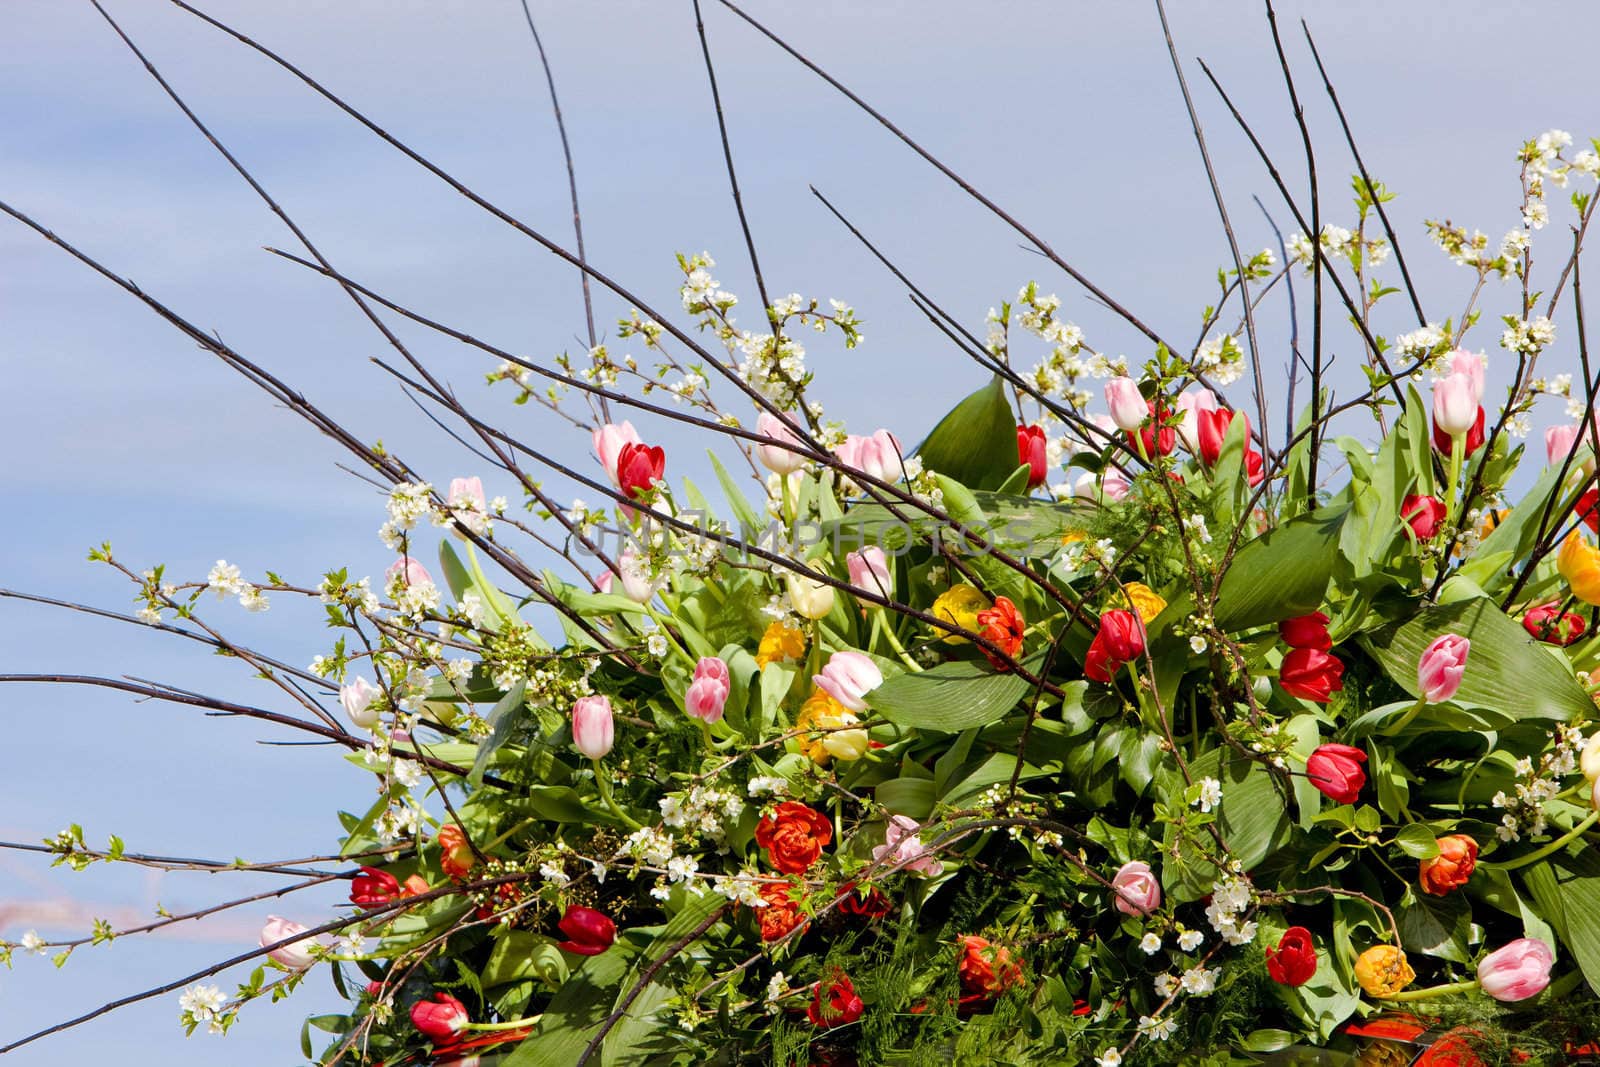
(1106, 723)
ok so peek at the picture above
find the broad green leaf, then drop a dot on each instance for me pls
(1435, 926)
(1417, 841)
(1577, 877)
(911, 797)
(520, 955)
(502, 723)
(950, 697)
(976, 443)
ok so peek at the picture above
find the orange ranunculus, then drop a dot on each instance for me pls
(455, 855)
(782, 913)
(959, 605)
(987, 969)
(794, 836)
(1579, 564)
(1450, 869)
(780, 644)
(1383, 970)
(1004, 627)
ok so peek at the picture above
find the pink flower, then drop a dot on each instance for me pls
(708, 692)
(356, 697)
(468, 505)
(775, 457)
(636, 583)
(848, 678)
(877, 456)
(1517, 971)
(1470, 364)
(296, 956)
(1455, 404)
(608, 442)
(1192, 403)
(1560, 442)
(1440, 669)
(1128, 408)
(413, 572)
(1111, 485)
(593, 729)
(904, 849)
(1138, 891)
(869, 570)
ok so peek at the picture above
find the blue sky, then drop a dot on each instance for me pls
(118, 429)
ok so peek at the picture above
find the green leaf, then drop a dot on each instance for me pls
(950, 697)
(502, 723)
(1417, 841)
(1507, 670)
(520, 955)
(1577, 877)
(1435, 926)
(911, 797)
(1252, 818)
(976, 443)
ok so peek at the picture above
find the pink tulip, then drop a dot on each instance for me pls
(1128, 408)
(1440, 669)
(708, 692)
(1192, 403)
(775, 457)
(878, 456)
(1470, 364)
(904, 849)
(593, 729)
(414, 572)
(1455, 404)
(356, 697)
(1517, 971)
(608, 443)
(1138, 891)
(636, 583)
(468, 505)
(296, 956)
(1560, 442)
(869, 570)
(848, 677)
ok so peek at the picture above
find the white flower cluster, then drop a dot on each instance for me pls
(1220, 359)
(1524, 807)
(1424, 343)
(1230, 898)
(408, 502)
(1338, 241)
(224, 581)
(202, 1005)
(1528, 338)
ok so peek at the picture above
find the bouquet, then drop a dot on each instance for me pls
(1102, 720)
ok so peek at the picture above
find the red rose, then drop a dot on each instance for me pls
(373, 886)
(1336, 770)
(1450, 869)
(1311, 674)
(1471, 442)
(794, 836)
(456, 858)
(1306, 631)
(782, 912)
(1294, 961)
(1423, 514)
(441, 1018)
(1002, 625)
(639, 467)
(1549, 623)
(1031, 450)
(987, 969)
(873, 904)
(835, 1002)
(589, 932)
(1156, 442)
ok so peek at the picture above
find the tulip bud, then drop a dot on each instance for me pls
(848, 678)
(870, 570)
(775, 457)
(1589, 762)
(1138, 891)
(589, 932)
(1560, 442)
(878, 456)
(903, 848)
(1336, 771)
(1550, 624)
(1311, 675)
(1212, 431)
(296, 956)
(1516, 971)
(1451, 868)
(636, 583)
(1441, 666)
(1455, 404)
(639, 468)
(1294, 961)
(1032, 449)
(357, 698)
(1423, 514)
(468, 506)
(1127, 405)
(408, 572)
(608, 443)
(1193, 404)
(593, 730)
(373, 886)
(708, 692)
(1383, 970)
(441, 1019)
(1469, 364)
(811, 599)
(1306, 631)
(1579, 563)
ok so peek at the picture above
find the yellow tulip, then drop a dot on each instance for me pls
(1579, 564)
(1383, 971)
(828, 717)
(780, 644)
(960, 605)
(1146, 601)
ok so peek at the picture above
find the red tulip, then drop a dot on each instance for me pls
(373, 886)
(1212, 427)
(1253, 467)
(1472, 442)
(1157, 440)
(639, 467)
(873, 904)
(1587, 509)
(1550, 624)
(1423, 514)
(835, 1002)
(1306, 631)
(589, 932)
(1336, 771)
(1294, 961)
(1123, 634)
(1311, 674)
(1031, 450)
(1098, 665)
(441, 1019)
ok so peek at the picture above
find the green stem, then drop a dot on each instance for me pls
(1458, 446)
(1404, 720)
(1555, 846)
(1429, 993)
(604, 786)
(881, 622)
(509, 1024)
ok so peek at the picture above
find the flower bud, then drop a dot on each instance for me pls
(708, 692)
(1455, 404)
(1127, 405)
(1138, 891)
(1516, 971)
(775, 457)
(589, 932)
(357, 698)
(1336, 771)
(296, 956)
(1383, 970)
(1033, 450)
(870, 570)
(1441, 666)
(441, 1019)
(811, 599)
(593, 730)
(608, 443)
(1192, 404)
(848, 678)
(1451, 868)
